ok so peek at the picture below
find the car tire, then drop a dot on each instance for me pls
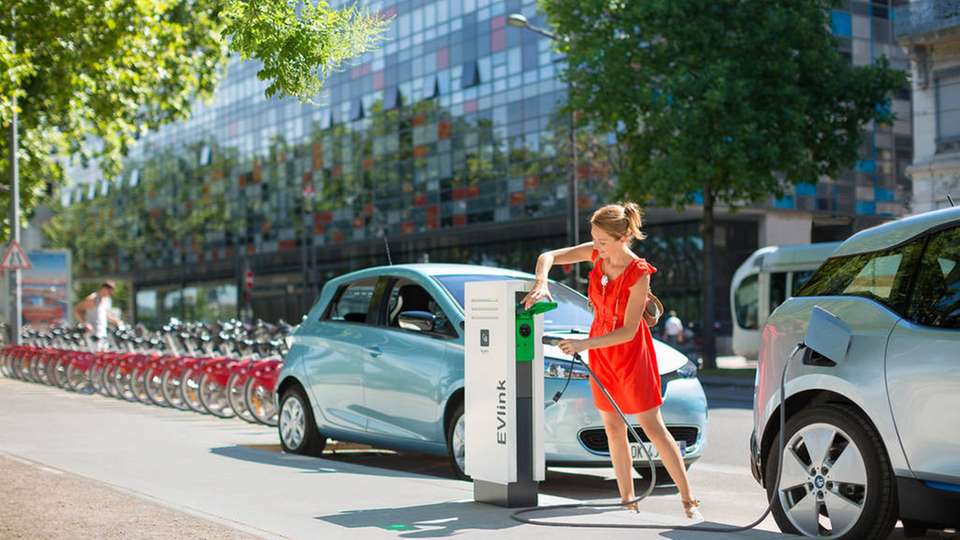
(296, 427)
(830, 430)
(456, 445)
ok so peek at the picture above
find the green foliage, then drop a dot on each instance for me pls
(299, 44)
(732, 98)
(91, 76)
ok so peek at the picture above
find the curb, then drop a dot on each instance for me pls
(737, 382)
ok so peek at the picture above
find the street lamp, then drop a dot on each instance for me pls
(517, 20)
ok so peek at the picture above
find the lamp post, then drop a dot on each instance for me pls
(16, 307)
(517, 20)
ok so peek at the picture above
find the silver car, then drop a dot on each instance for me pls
(873, 427)
(379, 360)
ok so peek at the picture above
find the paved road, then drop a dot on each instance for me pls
(232, 473)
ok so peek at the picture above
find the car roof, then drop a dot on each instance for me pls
(432, 269)
(796, 255)
(894, 233)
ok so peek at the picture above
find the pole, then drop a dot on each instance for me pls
(574, 216)
(17, 305)
(304, 263)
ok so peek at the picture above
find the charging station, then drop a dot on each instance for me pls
(503, 398)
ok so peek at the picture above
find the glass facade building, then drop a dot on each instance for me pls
(445, 145)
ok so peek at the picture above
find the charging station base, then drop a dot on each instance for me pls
(514, 495)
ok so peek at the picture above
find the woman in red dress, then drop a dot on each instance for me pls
(621, 346)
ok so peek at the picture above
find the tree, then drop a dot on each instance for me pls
(719, 102)
(91, 76)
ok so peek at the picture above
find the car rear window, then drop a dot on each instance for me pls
(880, 276)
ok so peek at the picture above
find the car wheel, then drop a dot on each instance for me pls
(456, 444)
(298, 431)
(836, 479)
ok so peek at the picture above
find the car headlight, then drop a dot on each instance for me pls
(554, 368)
(688, 370)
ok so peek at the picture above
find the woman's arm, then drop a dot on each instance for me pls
(632, 320)
(567, 255)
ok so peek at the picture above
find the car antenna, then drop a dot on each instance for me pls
(950, 199)
(386, 245)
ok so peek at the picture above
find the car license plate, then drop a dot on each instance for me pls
(638, 454)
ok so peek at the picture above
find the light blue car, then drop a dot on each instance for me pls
(379, 360)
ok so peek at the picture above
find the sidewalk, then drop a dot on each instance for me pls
(41, 502)
(735, 371)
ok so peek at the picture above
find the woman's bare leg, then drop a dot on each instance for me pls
(616, 432)
(652, 424)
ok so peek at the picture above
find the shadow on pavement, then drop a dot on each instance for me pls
(577, 483)
(451, 518)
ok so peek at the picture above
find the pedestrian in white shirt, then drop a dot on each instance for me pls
(95, 310)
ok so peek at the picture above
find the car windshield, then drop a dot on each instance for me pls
(573, 310)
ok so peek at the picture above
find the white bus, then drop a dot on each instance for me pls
(764, 281)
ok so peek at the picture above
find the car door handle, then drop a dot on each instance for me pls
(374, 351)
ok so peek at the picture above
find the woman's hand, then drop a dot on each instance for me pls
(572, 346)
(538, 292)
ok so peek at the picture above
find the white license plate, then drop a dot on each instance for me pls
(638, 454)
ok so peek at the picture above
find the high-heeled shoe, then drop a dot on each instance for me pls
(691, 507)
(635, 505)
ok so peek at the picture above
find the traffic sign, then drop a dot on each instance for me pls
(14, 258)
(248, 279)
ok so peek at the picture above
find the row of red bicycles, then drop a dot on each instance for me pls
(227, 369)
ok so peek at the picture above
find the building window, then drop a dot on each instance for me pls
(470, 75)
(948, 110)
(841, 24)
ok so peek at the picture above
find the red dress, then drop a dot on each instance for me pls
(629, 370)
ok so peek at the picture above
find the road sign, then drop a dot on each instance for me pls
(14, 258)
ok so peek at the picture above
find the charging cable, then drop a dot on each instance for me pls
(517, 516)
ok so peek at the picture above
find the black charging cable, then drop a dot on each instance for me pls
(653, 472)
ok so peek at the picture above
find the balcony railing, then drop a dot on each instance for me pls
(926, 16)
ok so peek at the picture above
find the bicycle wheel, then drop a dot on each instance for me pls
(170, 386)
(213, 396)
(237, 399)
(58, 372)
(260, 402)
(138, 385)
(96, 378)
(109, 380)
(6, 367)
(78, 379)
(153, 384)
(38, 369)
(122, 376)
(190, 390)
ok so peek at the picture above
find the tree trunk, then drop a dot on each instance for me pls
(709, 279)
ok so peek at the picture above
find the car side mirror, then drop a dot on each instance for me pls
(420, 321)
(827, 335)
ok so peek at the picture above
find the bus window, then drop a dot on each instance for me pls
(799, 279)
(778, 289)
(746, 303)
